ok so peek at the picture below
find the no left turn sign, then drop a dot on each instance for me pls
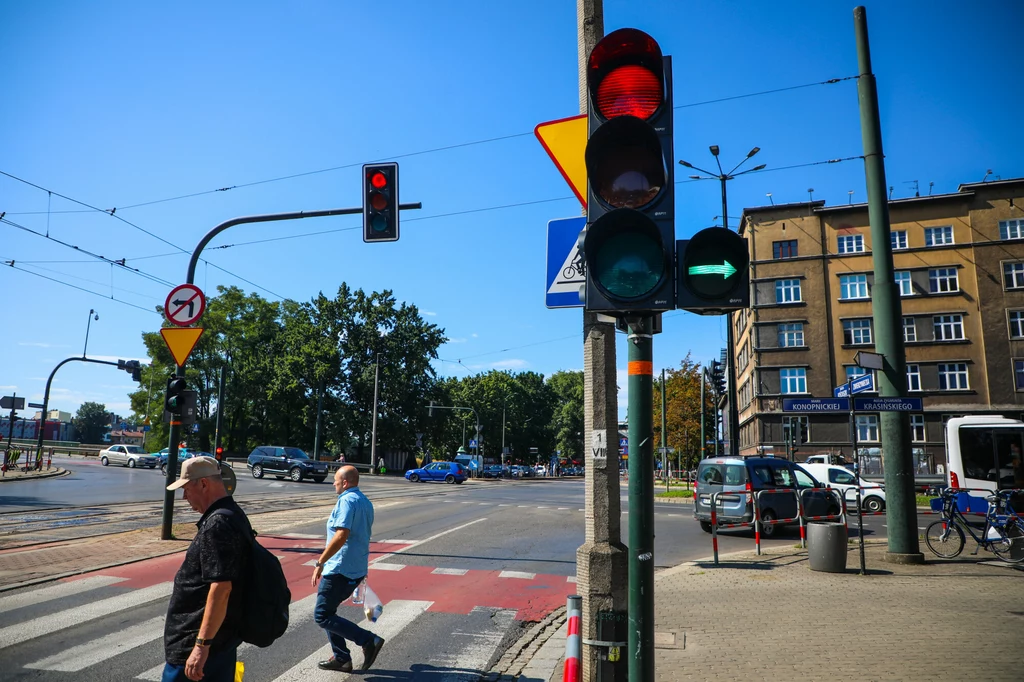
(185, 304)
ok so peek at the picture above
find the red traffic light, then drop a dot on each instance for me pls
(625, 75)
(378, 179)
(220, 453)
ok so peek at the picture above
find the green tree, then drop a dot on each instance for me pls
(91, 422)
(567, 422)
(682, 400)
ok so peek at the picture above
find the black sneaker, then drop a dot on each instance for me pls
(333, 663)
(370, 652)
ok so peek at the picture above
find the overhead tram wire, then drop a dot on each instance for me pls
(12, 264)
(500, 138)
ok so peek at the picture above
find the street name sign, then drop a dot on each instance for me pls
(859, 385)
(565, 141)
(888, 404)
(564, 263)
(185, 305)
(815, 404)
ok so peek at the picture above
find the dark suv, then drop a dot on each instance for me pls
(741, 476)
(284, 461)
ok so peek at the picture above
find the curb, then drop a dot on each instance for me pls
(519, 655)
(90, 569)
(673, 500)
(57, 471)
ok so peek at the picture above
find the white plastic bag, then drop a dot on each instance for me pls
(357, 594)
(372, 606)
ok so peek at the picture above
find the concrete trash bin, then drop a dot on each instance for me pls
(826, 546)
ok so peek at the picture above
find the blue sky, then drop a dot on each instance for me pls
(117, 104)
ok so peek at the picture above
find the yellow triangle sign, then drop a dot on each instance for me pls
(565, 141)
(180, 341)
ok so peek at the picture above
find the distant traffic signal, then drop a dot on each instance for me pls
(380, 202)
(175, 388)
(133, 367)
(718, 377)
(629, 248)
(712, 272)
(219, 453)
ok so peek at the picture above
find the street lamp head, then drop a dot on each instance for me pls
(714, 149)
(687, 164)
(753, 151)
(757, 168)
(696, 177)
(96, 316)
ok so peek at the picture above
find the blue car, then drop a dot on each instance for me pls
(449, 472)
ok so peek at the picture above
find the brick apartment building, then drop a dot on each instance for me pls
(959, 264)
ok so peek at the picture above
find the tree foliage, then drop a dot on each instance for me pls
(683, 410)
(91, 422)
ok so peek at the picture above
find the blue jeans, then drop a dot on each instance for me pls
(219, 667)
(333, 590)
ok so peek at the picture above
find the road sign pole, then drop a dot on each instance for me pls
(641, 500)
(664, 447)
(901, 503)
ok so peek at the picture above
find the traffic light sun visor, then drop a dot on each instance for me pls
(625, 74)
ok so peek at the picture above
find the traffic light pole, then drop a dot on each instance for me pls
(172, 454)
(900, 508)
(46, 394)
(641, 499)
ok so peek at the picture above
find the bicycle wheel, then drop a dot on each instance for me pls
(945, 540)
(1010, 546)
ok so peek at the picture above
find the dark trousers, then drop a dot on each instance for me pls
(220, 667)
(333, 590)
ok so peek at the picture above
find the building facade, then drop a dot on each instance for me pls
(959, 267)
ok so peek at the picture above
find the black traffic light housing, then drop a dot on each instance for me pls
(133, 367)
(718, 377)
(629, 248)
(713, 273)
(174, 402)
(380, 202)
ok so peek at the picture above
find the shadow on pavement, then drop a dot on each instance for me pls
(422, 672)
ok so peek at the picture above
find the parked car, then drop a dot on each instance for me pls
(522, 471)
(494, 471)
(285, 461)
(842, 479)
(449, 472)
(737, 477)
(130, 456)
(162, 455)
(183, 454)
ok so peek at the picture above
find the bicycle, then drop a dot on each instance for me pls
(1002, 532)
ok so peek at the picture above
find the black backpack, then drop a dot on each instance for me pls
(267, 597)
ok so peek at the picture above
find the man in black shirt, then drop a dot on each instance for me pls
(201, 632)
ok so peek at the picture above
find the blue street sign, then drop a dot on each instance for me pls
(815, 404)
(146, 427)
(888, 404)
(862, 383)
(564, 278)
(124, 426)
(623, 442)
(472, 443)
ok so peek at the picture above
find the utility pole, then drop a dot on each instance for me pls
(900, 508)
(601, 561)
(220, 407)
(703, 409)
(664, 444)
(373, 433)
(319, 411)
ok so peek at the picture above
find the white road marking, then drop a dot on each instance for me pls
(570, 579)
(392, 542)
(56, 591)
(517, 574)
(504, 505)
(303, 536)
(417, 543)
(563, 509)
(387, 567)
(45, 625)
(98, 650)
(398, 614)
(450, 571)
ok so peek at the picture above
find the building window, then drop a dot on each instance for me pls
(799, 427)
(743, 357)
(787, 291)
(909, 330)
(953, 376)
(1017, 324)
(853, 371)
(746, 394)
(937, 236)
(791, 335)
(853, 286)
(867, 428)
(948, 327)
(793, 380)
(857, 332)
(903, 282)
(913, 377)
(741, 321)
(899, 239)
(943, 280)
(917, 428)
(851, 243)
(1013, 275)
(1018, 374)
(784, 249)
(1011, 229)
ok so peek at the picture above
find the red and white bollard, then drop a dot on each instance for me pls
(574, 611)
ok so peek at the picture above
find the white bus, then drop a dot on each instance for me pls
(984, 452)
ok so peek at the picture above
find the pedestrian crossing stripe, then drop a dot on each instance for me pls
(57, 591)
(98, 650)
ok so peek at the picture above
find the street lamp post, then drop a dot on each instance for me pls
(93, 315)
(723, 177)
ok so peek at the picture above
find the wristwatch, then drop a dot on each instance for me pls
(203, 642)
(319, 564)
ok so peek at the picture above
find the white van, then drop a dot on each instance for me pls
(983, 452)
(844, 480)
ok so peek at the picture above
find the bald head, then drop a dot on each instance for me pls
(345, 478)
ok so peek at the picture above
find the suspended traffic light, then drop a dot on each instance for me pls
(713, 273)
(629, 248)
(173, 403)
(380, 202)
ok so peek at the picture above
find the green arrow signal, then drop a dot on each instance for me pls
(725, 269)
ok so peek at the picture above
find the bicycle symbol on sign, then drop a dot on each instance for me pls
(577, 268)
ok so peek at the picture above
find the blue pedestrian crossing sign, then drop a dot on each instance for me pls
(564, 263)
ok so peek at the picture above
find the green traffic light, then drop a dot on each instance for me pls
(629, 265)
(725, 269)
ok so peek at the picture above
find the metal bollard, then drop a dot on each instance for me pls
(573, 610)
(714, 525)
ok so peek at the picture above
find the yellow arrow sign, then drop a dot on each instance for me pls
(565, 141)
(180, 341)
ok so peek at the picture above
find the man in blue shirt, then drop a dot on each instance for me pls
(341, 567)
